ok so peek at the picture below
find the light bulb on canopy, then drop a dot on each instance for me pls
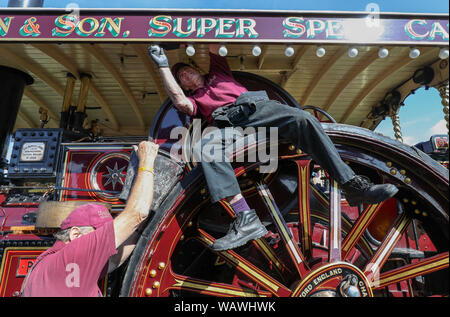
(352, 52)
(414, 52)
(190, 50)
(443, 53)
(383, 52)
(223, 51)
(289, 51)
(320, 51)
(256, 51)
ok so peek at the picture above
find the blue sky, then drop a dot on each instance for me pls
(429, 6)
(416, 126)
(421, 117)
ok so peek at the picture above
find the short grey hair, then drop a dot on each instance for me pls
(63, 235)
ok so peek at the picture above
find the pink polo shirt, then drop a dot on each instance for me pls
(221, 89)
(73, 269)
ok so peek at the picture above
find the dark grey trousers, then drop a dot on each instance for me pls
(254, 109)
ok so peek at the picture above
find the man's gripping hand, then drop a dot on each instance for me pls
(158, 56)
(146, 152)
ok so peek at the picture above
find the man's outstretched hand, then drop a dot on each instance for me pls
(158, 56)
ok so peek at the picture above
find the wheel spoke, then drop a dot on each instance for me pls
(263, 247)
(335, 222)
(275, 262)
(375, 264)
(303, 206)
(203, 287)
(359, 228)
(432, 264)
(227, 207)
(291, 246)
(247, 268)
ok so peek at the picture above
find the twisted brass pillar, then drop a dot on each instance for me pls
(396, 124)
(443, 91)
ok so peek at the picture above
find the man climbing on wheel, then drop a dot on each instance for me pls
(220, 100)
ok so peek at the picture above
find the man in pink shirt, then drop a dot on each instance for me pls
(216, 89)
(223, 102)
(91, 243)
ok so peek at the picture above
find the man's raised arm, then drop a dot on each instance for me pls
(140, 200)
(174, 90)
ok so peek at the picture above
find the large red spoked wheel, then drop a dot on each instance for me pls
(317, 245)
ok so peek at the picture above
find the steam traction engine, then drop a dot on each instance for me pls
(317, 244)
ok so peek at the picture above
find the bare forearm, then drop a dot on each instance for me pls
(124, 251)
(175, 92)
(137, 208)
(141, 196)
(173, 89)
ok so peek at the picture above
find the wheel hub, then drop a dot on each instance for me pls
(334, 280)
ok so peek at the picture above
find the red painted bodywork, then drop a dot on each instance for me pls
(20, 243)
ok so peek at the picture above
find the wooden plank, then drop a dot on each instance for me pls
(150, 67)
(348, 78)
(57, 55)
(323, 70)
(392, 68)
(102, 58)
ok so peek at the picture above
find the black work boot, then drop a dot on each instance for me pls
(360, 190)
(245, 227)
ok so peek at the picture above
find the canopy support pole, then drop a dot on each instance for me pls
(396, 124)
(443, 91)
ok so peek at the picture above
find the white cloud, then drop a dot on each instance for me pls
(439, 128)
(410, 140)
